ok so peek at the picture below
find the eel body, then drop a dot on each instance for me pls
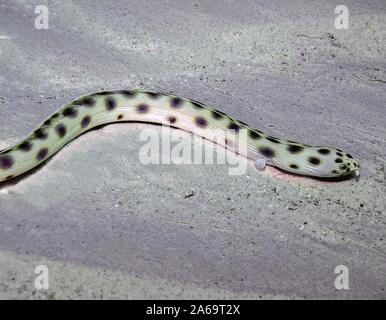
(89, 111)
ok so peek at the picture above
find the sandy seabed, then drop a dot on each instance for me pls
(107, 226)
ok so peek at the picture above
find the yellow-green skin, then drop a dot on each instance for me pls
(100, 108)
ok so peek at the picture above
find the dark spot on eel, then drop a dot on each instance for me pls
(217, 115)
(42, 154)
(201, 122)
(142, 108)
(176, 102)
(128, 93)
(153, 95)
(40, 134)
(61, 130)
(25, 146)
(314, 160)
(70, 112)
(267, 152)
(110, 103)
(294, 148)
(6, 162)
(85, 101)
(254, 135)
(324, 151)
(172, 119)
(103, 93)
(88, 101)
(85, 121)
(234, 126)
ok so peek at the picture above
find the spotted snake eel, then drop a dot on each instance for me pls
(89, 111)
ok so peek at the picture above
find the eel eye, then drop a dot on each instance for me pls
(343, 166)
